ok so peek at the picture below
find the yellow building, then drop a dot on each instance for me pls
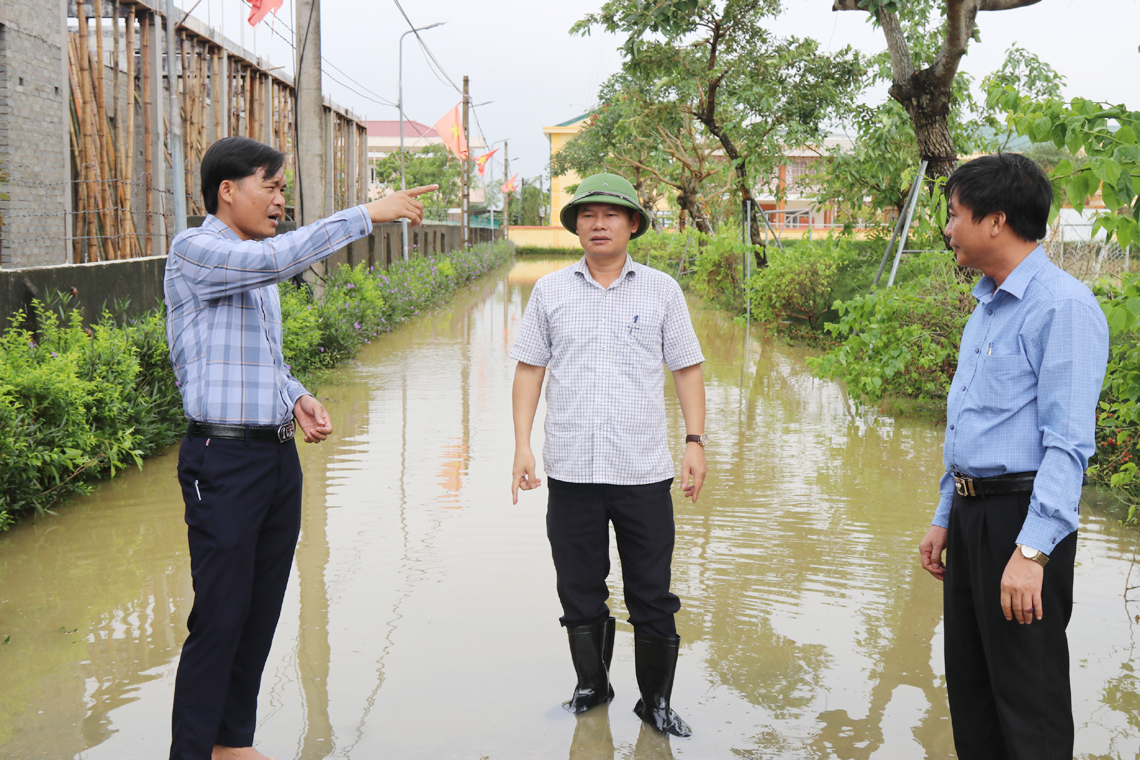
(554, 235)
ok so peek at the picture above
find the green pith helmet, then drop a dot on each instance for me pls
(604, 188)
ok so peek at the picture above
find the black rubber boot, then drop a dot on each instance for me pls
(656, 663)
(592, 650)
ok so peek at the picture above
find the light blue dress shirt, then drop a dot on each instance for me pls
(223, 315)
(1025, 393)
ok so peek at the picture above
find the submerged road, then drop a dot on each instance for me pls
(421, 620)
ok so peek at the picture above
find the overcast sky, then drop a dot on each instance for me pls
(520, 56)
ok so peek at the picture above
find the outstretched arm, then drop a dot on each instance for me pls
(524, 402)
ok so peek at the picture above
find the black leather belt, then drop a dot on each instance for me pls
(999, 485)
(258, 433)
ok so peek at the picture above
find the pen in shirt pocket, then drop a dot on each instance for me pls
(633, 324)
(990, 350)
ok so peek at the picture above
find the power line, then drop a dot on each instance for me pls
(363, 91)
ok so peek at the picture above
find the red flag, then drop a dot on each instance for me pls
(450, 129)
(510, 185)
(481, 161)
(259, 9)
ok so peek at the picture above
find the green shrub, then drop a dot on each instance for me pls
(78, 404)
(799, 284)
(901, 341)
(1118, 418)
(534, 250)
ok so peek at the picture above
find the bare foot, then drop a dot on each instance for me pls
(236, 753)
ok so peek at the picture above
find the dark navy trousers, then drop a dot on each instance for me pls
(1008, 683)
(243, 514)
(577, 523)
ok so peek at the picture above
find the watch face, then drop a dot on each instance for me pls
(1027, 552)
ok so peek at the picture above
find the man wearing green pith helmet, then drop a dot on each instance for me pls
(605, 327)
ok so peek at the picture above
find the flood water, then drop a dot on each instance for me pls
(421, 620)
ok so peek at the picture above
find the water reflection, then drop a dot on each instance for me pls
(422, 619)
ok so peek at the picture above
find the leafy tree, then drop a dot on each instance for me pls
(433, 164)
(641, 133)
(1109, 138)
(926, 40)
(755, 93)
(528, 204)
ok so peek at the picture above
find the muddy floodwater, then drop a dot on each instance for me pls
(421, 620)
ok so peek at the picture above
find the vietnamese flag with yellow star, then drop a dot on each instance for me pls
(450, 129)
(510, 185)
(481, 161)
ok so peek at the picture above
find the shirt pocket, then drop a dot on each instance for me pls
(641, 333)
(1005, 383)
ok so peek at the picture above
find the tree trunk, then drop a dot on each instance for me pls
(687, 200)
(929, 111)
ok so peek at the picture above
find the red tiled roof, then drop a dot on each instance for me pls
(392, 129)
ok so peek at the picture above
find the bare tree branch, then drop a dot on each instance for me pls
(902, 66)
(1004, 5)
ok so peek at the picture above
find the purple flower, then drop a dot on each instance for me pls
(322, 348)
(54, 354)
(356, 325)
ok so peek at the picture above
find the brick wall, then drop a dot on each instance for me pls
(34, 150)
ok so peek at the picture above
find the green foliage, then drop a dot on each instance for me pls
(533, 250)
(701, 72)
(434, 164)
(800, 284)
(795, 293)
(78, 404)
(528, 205)
(1118, 419)
(902, 341)
(1109, 136)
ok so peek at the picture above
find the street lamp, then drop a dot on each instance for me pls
(400, 105)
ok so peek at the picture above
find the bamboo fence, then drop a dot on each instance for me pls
(218, 92)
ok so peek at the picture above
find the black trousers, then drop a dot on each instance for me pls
(1008, 683)
(243, 512)
(577, 524)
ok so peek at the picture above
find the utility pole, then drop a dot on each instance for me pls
(310, 147)
(174, 114)
(466, 215)
(506, 196)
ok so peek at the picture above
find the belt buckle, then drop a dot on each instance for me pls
(963, 485)
(286, 431)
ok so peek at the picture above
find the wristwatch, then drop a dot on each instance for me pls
(702, 439)
(1037, 556)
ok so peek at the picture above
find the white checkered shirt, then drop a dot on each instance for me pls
(605, 399)
(223, 315)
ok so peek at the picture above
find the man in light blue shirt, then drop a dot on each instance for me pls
(1020, 424)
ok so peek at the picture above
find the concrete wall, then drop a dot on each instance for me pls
(139, 281)
(34, 148)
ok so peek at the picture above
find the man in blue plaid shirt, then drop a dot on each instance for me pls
(1020, 425)
(238, 465)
